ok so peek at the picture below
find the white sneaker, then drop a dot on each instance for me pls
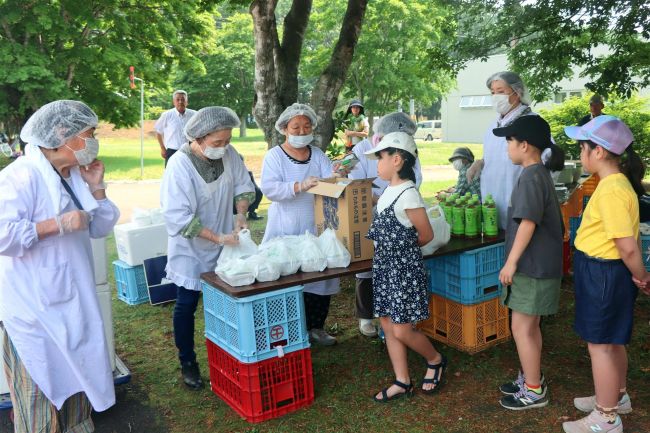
(367, 328)
(587, 404)
(594, 422)
(319, 336)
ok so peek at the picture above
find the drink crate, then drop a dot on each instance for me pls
(589, 185)
(574, 204)
(565, 210)
(262, 390)
(566, 258)
(585, 200)
(130, 283)
(574, 224)
(252, 328)
(645, 251)
(469, 328)
(468, 277)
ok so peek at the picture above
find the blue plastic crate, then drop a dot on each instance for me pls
(251, 328)
(585, 200)
(645, 251)
(470, 277)
(574, 224)
(130, 283)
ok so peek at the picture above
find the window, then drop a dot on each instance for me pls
(475, 101)
(561, 96)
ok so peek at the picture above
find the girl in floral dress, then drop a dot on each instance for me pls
(398, 277)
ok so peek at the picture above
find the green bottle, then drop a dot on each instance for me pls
(458, 224)
(471, 227)
(479, 216)
(447, 206)
(484, 210)
(491, 220)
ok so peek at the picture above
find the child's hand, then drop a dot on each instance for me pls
(643, 284)
(507, 272)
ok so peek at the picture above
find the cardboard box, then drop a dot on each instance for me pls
(345, 206)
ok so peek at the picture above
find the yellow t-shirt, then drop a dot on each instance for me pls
(612, 212)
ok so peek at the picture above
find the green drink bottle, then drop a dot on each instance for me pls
(458, 225)
(491, 222)
(471, 227)
(447, 207)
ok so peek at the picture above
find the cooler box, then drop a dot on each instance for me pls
(99, 260)
(105, 308)
(135, 243)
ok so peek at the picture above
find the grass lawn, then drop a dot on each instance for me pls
(438, 153)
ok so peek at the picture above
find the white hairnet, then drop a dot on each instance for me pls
(292, 111)
(210, 119)
(394, 122)
(514, 81)
(55, 123)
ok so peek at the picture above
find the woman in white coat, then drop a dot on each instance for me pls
(201, 182)
(55, 354)
(510, 99)
(392, 122)
(288, 172)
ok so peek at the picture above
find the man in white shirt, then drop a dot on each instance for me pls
(169, 128)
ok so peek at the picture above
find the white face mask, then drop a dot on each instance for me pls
(501, 103)
(89, 153)
(300, 141)
(458, 164)
(214, 152)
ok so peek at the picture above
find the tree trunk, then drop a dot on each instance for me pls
(276, 65)
(242, 126)
(328, 87)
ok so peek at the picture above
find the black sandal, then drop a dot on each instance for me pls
(408, 392)
(439, 371)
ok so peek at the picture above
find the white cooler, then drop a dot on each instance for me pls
(135, 244)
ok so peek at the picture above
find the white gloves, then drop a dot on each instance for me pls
(72, 221)
(307, 184)
(232, 239)
(474, 171)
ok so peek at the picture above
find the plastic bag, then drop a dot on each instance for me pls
(236, 272)
(441, 230)
(265, 270)
(246, 247)
(281, 255)
(336, 254)
(311, 257)
(141, 217)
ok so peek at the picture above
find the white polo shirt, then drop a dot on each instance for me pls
(171, 125)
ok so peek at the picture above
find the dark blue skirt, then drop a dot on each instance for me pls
(605, 297)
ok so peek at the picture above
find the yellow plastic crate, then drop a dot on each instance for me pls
(469, 328)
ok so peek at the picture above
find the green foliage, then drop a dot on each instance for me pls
(389, 65)
(547, 40)
(634, 111)
(228, 76)
(55, 49)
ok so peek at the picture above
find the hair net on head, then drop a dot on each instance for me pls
(395, 122)
(514, 81)
(55, 123)
(210, 119)
(292, 111)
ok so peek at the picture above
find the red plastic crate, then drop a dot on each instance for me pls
(262, 390)
(566, 257)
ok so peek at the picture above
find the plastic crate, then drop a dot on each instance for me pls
(589, 185)
(645, 251)
(469, 328)
(585, 200)
(470, 277)
(565, 210)
(574, 224)
(252, 328)
(130, 283)
(262, 390)
(566, 258)
(574, 203)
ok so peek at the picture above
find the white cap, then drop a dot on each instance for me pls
(397, 140)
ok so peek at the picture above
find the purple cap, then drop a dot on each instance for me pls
(607, 131)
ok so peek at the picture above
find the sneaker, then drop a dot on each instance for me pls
(191, 375)
(594, 422)
(254, 217)
(367, 328)
(512, 388)
(525, 399)
(587, 404)
(319, 336)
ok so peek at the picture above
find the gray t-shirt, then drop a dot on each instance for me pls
(533, 198)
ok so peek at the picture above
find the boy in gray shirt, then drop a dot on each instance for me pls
(532, 273)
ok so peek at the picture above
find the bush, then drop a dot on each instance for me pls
(635, 112)
(153, 113)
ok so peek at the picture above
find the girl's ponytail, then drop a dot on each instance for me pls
(554, 162)
(633, 168)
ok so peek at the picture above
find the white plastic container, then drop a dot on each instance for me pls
(135, 244)
(104, 298)
(99, 259)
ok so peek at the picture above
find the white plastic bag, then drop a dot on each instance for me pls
(141, 217)
(281, 255)
(246, 247)
(236, 272)
(312, 258)
(441, 230)
(336, 254)
(265, 270)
